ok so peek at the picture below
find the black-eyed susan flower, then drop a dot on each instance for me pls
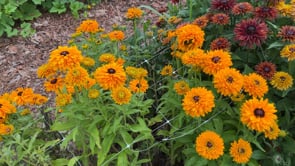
(110, 76)
(54, 84)
(121, 95)
(136, 73)
(201, 21)
(193, 57)
(258, 114)
(167, 70)
(134, 13)
(220, 19)
(198, 102)
(251, 32)
(107, 58)
(63, 99)
(22, 96)
(25, 112)
(46, 71)
(77, 76)
(116, 35)
(255, 85)
(242, 8)
(228, 81)
(282, 80)
(87, 61)
(220, 43)
(138, 85)
(266, 69)
(265, 12)
(189, 37)
(209, 145)
(273, 132)
(240, 151)
(222, 5)
(6, 108)
(39, 99)
(215, 60)
(181, 87)
(64, 58)
(288, 52)
(93, 93)
(287, 33)
(6, 129)
(90, 26)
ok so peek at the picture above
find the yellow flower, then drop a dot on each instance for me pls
(283, 133)
(6, 108)
(134, 13)
(107, 58)
(123, 47)
(181, 87)
(110, 76)
(77, 76)
(121, 95)
(54, 85)
(228, 81)
(281, 80)
(288, 52)
(238, 97)
(64, 58)
(273, 132)
(189, 37)
(116, 35)
(93, 93)
(90, 26)
(193, 57)
(6, 129)
(215, 60)
(87, 61)
(39, 99)
(25, 112)
(22, 96)
(137, 73)
(198, 102)
(241, 151)
(209, 145)
(255, 85)
(167, 70)
(138, 85)
(63, 99)
(284, 9)
(46, 71)
(258, 114)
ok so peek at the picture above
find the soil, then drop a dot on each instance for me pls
(20, 57)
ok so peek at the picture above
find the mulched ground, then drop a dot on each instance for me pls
(20, 57)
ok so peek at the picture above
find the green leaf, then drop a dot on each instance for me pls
(27, 30)
(257, 154)
(73, 160)
(10, 8)
(122, 159)
(38, 2)
(58, 7)
(226, 160)
(139, 127)
(61, 126)
(218, 125)
(60, 162)
(289, 145)
(275, 44)
(106, 145)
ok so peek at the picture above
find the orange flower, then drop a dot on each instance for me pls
(241, 151)
(116, 35)
(138, 85)
(54, 85)
(255, 85)
(167, 70)
(134, 13)
(6, 129)
(22, 96)
(181, 87)
(121, 95)
(90, 26)
(107, 58)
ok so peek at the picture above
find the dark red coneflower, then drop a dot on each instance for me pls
(266, 70)
(220, 18)
(222, 5)
(242, 8)
(287, 33)
(175, 1)
(250, 32)
(201, 21)
(220, 44)
(265, 12)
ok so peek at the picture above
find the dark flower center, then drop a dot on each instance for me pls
(111, 71)
(256, 82)
(241, 150)
(282, 78)
(290, 32)
(188, 42)
(219, 42)
(196, 98)
(19, 93)
(230, 80)
(242, 7)
(209, 144)
(220, 18)
(223, 1)
(0, 105)
(138, 85)
(216, 59)
(64, 53)
(292, 49)
(266, 69)
(54, 81)
(265, 9)
(251, 29)
(259, 112)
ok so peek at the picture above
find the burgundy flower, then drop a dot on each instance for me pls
(220, 43)
(174, 1)
(266, 70)
(250, 32)
(287, 33)
(220, 18)
(265, 12)
(201, 21)
(242, 8)
(222, 5)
